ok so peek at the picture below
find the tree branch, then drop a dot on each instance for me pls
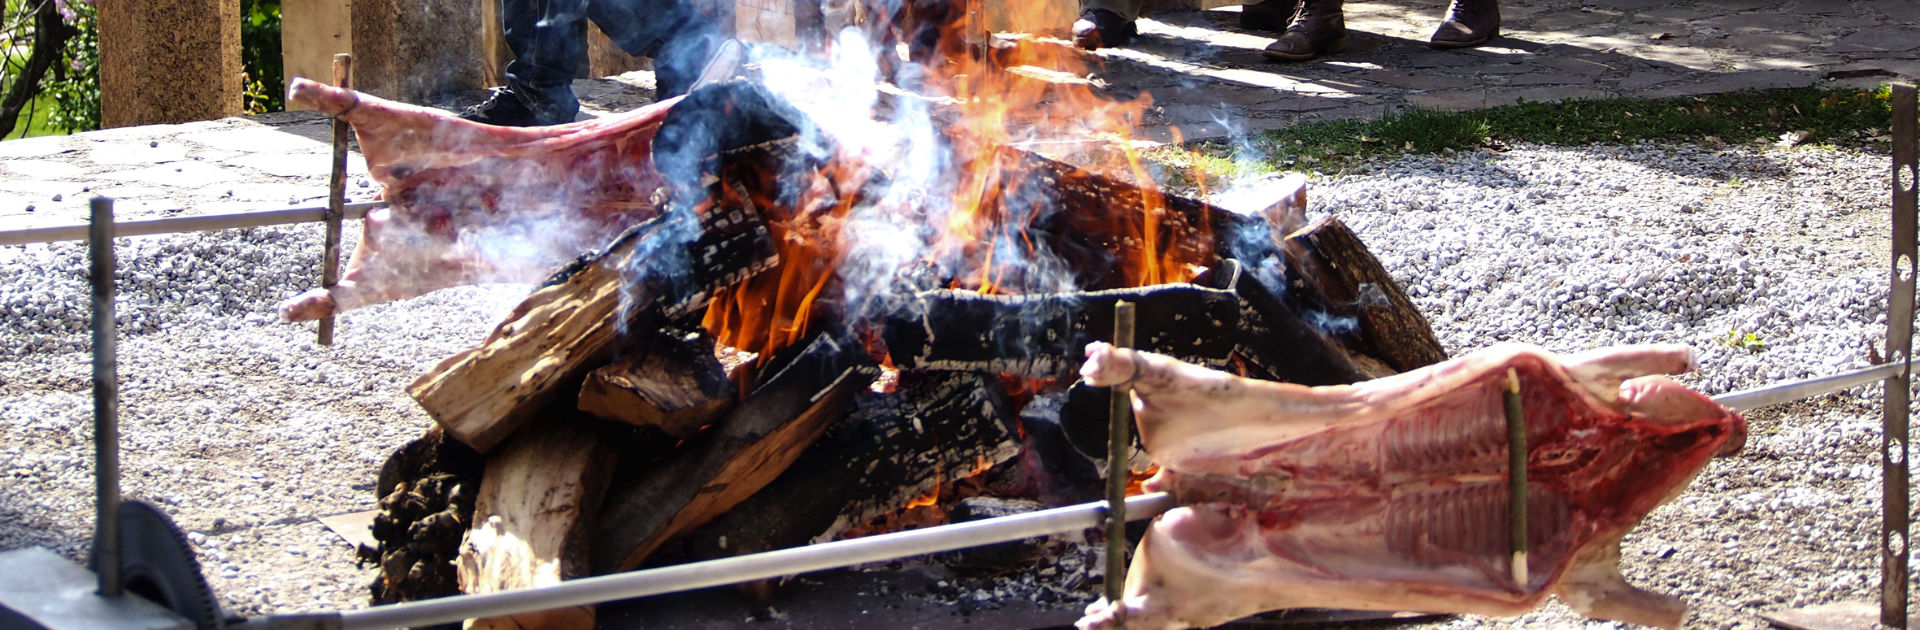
(50, 35)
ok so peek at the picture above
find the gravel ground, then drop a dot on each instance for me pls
(246, 431)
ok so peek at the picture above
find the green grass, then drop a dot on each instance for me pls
(1836, 117)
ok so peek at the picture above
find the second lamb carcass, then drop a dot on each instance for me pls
(1391, 494)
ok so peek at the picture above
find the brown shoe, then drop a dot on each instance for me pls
(1100, 28)
(1319, 28)
(1468, 23)
(1267, 15)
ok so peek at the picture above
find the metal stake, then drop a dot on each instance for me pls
(1119, 442)
(1893, 451)
(106, 402)
(336, 196)
(1516, 479)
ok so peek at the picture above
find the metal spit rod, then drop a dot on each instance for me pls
(858, 551)
(772, 564)
(200, 223)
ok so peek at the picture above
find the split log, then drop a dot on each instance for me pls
(530, 520)
(1331, 258)
(655, 272)
(673, 383)
(1279, 344)
(734, 458)
(1043, 335)
(935, 428)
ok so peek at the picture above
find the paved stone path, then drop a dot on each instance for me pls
(1207, 77)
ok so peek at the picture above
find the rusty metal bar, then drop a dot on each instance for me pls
(1516, 479)
(106, 401)
(199, 223)
(336, 196)
(1119, 442)
(1893, 452)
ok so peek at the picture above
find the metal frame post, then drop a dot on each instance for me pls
(106, 402)
(1893, 452)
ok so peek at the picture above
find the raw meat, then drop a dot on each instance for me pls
(1391, 494)
(472, 203)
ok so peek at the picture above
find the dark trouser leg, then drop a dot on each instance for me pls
(548, 44)
(678, 37)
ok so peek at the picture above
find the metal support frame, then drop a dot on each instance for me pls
(1893, 448)
(106, 402)
(198, 223)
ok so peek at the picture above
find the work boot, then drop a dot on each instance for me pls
(1267, 15)
(1100, 28)
(1318, 28)
(507, 107)
(1468, 23)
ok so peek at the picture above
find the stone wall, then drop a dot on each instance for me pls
(415, 50)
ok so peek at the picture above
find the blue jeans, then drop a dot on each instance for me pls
(548, 40)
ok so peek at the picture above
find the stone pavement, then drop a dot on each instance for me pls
(1207, 77)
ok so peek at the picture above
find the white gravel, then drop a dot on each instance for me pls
(246, 431)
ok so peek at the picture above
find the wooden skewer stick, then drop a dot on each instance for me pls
(1516, 479)
(1119, 441)
(336, 195)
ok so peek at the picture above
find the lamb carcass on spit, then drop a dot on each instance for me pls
(1392, 494)
(470, 203)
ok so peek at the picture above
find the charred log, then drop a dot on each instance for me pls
(1330, 257)
(891, 448)
(426, 493)
(657, 271)
(1276, 343)
(1041, 335)
(737, 456)
(530, 519)
(674, 383)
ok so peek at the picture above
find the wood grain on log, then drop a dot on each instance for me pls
(674, 383)
(531, 519)
(549, 342)
(734, 458)
(1332, 259)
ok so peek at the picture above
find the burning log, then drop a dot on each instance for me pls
(890, 449)
(736, 457)
(1280, 345)
(1039, 335)
(530, 519)
(549, 342)
(1330, 257)
(673, 383)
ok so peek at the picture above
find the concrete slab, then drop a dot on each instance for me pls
(40, 589)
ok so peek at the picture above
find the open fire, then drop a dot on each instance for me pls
(819, 301)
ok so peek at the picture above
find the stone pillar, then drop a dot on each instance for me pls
(311, 33)
(417, 50)
(169, 61)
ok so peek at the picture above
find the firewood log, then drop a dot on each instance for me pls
(674, 383)
(1331, 258)
(530, 520)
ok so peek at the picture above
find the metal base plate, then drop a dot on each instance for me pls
(40, 589)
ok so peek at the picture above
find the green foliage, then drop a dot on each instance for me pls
(260, 55)
(1744, 341)
(75, 86)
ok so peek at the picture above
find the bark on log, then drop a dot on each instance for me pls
(734, 458)
(673, 383)
(651, 274)
(936, 428)
(1331, 258)
(531, 518)
(426, 493)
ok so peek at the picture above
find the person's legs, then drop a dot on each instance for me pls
(674, 33)
(547, 46)
(1105, 23)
